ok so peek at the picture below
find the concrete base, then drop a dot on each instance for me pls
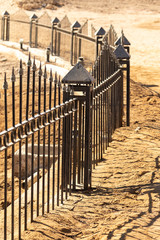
(35, 160)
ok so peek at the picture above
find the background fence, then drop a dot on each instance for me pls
(60, 128)
(64, 39)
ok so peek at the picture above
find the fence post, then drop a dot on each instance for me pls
(36, 33)
(80, 81)
(33, 22)
(80, 44)
(55, 22)
(5, 26)
(75, 26)
(124, 60)
(99, 36)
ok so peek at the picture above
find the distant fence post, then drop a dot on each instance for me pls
(80, 44)
(5, 26)
(55, 21)
(74, 31)
(33, 37)
(79, 80)
(124, 59)
(99, 35)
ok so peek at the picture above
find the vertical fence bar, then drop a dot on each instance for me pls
(103, 121)
(20, 144)
(28, 83)
(83, 136)
(54, 127)
(79, 142)
(101, 129)
(96, 107)
(94, 133)
(13, 123)
(75, 147)
(70, 147)
(44, 142)
(59, 131)
(63, 153)
(49, 136)
(109, 113)
(39, 111)
(106, 120)
(5, 87)
(33, 110)
(128, 93)
(87, 139)
(66, 150)
(121, 100)
(99, 125)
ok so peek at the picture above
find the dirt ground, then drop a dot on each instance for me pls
(124, 200)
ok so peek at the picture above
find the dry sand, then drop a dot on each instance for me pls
(124, 201)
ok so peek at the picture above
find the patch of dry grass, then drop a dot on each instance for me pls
(36, 4)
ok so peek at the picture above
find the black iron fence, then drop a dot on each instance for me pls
(55, 131)
(39, 148)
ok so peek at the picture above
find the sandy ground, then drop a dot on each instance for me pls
(124, 200)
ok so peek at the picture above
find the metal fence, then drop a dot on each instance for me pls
(59, 129)
(38, 147)
(64, 39)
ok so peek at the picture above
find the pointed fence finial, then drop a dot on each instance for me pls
(51, 76)
(45, 73)
(59, 81)
(34, 65)
(40, 70)
(21, 68)
(5, 84)
(13, 78)
(55, 80)
(29, 63)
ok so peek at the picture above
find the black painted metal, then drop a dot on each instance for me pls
(81, 124)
